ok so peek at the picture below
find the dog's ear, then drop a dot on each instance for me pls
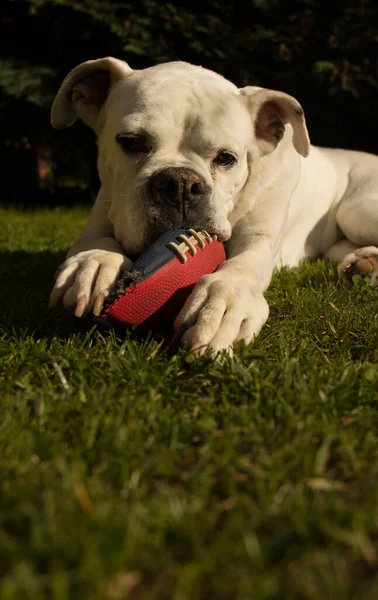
(84, 91)
(271, 111)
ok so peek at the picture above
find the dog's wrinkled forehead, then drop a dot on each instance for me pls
(176, 98)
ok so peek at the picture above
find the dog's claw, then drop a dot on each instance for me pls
(51, 300)
(99, 304)
(81, 306)
(55, 297)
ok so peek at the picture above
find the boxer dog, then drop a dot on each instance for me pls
(180, 146)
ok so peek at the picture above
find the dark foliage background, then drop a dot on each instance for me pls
(324, 53)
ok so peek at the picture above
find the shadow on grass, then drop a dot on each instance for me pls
(27, 279)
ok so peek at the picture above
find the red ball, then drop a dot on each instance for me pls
(153, 293)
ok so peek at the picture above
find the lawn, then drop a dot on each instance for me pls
(127, 472)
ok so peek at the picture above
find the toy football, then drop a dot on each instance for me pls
(151, 295)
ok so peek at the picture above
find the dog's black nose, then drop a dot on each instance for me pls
(179, 186)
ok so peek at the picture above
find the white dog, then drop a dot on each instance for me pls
(180, 146)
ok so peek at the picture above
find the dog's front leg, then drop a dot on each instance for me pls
(92, 265)
(229, 306)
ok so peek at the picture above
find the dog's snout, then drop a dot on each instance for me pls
(180, 186)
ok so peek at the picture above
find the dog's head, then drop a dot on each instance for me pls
(175, 142)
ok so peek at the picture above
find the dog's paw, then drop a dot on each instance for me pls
(364, 262)
(83, 281)
(223, 309)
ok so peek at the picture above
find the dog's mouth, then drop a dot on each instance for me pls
(220, 233)
(154, 232)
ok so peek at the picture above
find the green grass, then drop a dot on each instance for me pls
(128, 472)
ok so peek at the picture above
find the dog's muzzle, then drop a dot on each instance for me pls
(179, 187)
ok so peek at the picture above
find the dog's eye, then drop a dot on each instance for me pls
(133, 144)
(224, 159)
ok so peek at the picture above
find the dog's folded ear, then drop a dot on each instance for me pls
(84, 91)
(271, 111)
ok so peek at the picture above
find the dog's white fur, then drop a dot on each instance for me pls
(275, 206)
